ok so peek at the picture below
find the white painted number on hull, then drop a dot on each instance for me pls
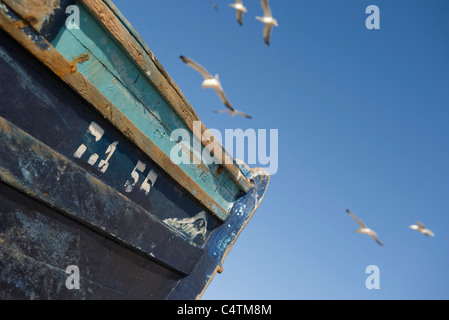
(146, 185)
(98, 132)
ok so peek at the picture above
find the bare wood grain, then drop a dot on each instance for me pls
(34, 12)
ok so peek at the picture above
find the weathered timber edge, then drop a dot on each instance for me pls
(53, 60)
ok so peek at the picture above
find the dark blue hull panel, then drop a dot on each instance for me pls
(38, 244)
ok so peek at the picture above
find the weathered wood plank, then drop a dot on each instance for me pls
(151, 68)
(144, 106)
(62, 68)
(34, 12)
(103, 49)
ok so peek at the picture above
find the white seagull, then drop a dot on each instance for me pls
(363, 229)
(238, 5)
(268, 20)
(214, 83)
(420, 228)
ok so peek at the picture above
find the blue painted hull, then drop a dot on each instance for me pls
(84, 178)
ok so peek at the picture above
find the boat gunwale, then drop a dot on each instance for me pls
(67, 72)
(169, 90)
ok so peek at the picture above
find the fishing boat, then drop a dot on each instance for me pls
(91, 204)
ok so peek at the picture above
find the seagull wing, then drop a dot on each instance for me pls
(238, 1)
(223, 98)
(420, 225)
(362, 225)
(243, 114)
(214, 5)
(240, 17)
(206, 75)
(223, 111)
(267, 33)
(266, 8)
(377, 240)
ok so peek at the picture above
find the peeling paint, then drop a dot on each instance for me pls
(192, 227)
(35, 13)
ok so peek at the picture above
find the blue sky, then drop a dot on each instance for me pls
(363, 124)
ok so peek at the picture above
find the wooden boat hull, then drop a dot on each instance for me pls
(81, 184)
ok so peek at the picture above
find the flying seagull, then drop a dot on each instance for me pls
(268, 20)
(214, 5)
(363, 229)
(214, 83)
(238, 5)
(420, 228)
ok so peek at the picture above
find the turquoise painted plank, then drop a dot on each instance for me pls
(93, 37)
(133, 108)
(102, 46)
(116, 60)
